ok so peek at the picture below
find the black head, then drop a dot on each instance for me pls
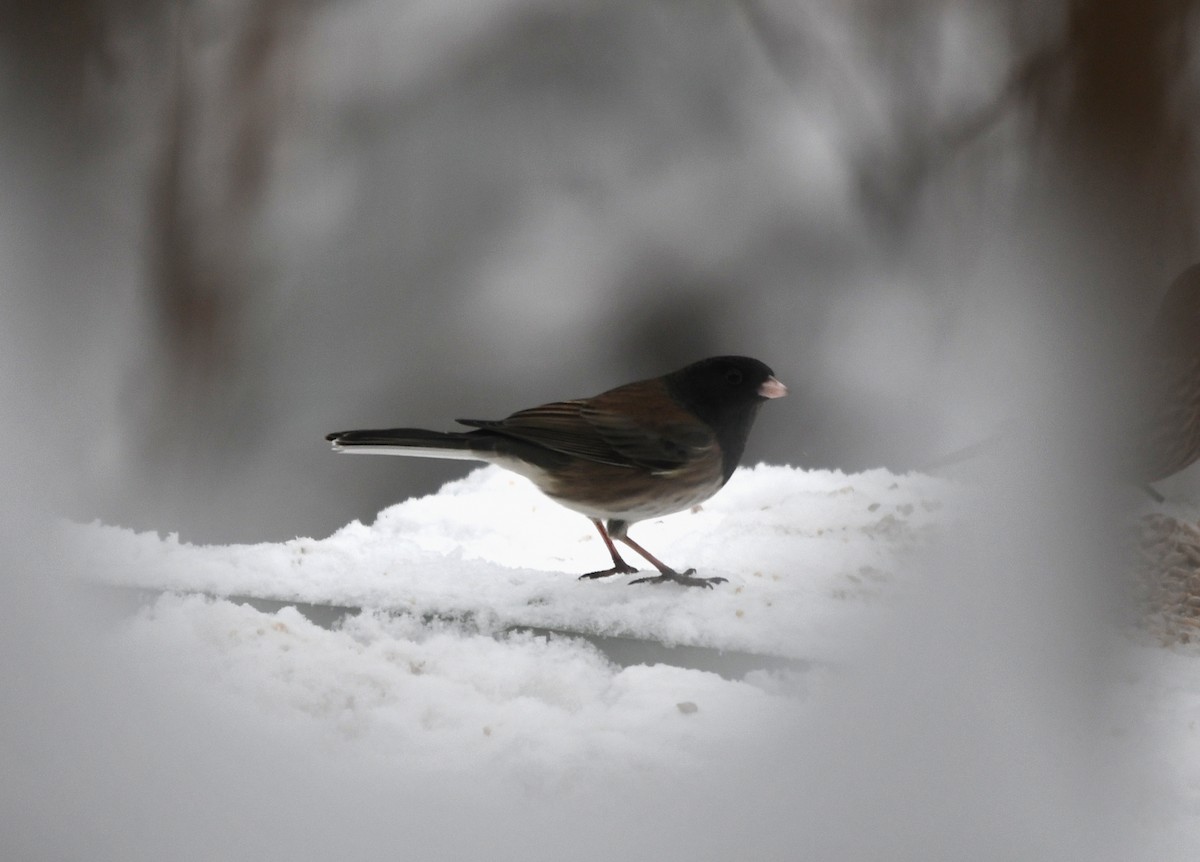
(725, 392)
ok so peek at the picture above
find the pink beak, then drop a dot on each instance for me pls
(772, 389)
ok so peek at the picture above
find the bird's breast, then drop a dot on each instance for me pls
(605, 491)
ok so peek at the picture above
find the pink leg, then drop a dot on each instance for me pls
(619, 567)
(667, 573)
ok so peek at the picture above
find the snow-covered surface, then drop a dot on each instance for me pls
(921, 730)
(808, 556)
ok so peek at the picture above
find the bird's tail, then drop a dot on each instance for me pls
(415, 443)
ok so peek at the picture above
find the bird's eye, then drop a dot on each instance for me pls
(733, 377)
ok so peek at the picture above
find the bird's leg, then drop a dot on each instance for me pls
(668, 574)
(619, 567)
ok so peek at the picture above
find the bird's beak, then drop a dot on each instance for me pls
(772, 388)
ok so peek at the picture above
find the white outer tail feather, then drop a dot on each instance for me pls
(413, 452)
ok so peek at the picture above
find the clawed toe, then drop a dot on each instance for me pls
(604, 573)
(616, 529)
(684, 579)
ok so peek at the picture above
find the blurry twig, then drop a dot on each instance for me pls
(781, 38)
(892, 182)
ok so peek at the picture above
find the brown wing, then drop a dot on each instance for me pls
(637, 425)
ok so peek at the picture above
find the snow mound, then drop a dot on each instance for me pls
(811, 557)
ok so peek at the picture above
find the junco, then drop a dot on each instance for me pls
(639, 451)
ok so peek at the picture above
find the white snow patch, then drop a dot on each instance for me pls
(810, 558)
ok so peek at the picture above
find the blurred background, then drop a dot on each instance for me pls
(231, 227)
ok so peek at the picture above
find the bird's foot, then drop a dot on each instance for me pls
(619, 569)
(684, 579)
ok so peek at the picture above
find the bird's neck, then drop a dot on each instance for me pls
(731, 435)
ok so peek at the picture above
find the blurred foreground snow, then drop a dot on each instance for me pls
(432, 723)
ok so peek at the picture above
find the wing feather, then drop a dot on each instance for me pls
(631, 426)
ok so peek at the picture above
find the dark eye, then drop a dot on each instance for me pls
(733, 377)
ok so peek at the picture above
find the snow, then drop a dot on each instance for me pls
(808, 557)
(438, 699)
(443, 720)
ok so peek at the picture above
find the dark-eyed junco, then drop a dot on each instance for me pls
(639, 451)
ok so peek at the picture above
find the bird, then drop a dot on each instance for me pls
(642, 450)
